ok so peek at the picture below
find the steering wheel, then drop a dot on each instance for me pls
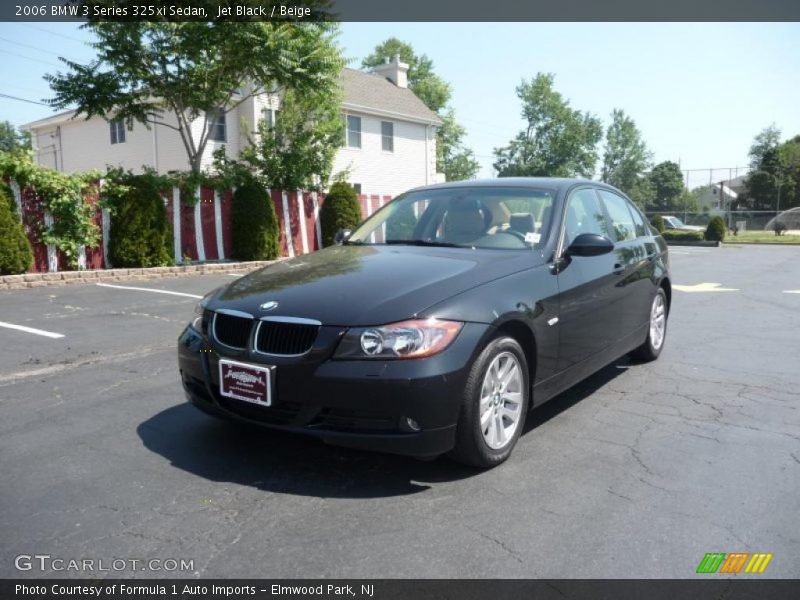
(514, 233)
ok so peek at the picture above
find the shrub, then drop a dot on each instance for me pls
(15, 249)
(657, 221)
(715, 231)
(683, 236)
(339, 211)
(256, 235)
(401, 224)
(779, 228)
(140, 235)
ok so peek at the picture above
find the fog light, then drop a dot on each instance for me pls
(412, 424)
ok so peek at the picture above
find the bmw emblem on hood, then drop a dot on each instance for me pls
(271, 305)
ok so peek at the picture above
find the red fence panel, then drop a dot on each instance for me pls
(298, 216)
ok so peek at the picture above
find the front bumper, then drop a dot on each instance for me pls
(359, 404)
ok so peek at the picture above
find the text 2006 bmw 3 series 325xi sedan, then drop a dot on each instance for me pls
(439, 322)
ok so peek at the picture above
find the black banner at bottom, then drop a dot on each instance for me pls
(391, 589)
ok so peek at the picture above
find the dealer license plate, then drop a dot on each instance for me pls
(250, 383)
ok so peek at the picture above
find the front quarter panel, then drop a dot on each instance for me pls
(529, 297)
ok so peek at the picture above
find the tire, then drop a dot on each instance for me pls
(654, 344)
(504, 412)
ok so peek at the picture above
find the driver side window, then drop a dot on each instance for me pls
(584, 215)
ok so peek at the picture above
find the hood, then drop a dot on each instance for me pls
(368, 285)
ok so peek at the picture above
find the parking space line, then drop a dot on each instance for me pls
(32, 330)
(791, 291)
(141, 289)
(703, 287)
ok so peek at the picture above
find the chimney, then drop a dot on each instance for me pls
(395, 71)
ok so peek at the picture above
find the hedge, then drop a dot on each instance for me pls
(339, 211)
(256, 235)
(140, 233)
(15, 249)
(678, 235)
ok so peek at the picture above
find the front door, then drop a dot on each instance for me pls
(588, 292)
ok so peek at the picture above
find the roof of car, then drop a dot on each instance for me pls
(558, 183)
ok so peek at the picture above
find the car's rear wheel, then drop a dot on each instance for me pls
(657, 331)
(494, 405)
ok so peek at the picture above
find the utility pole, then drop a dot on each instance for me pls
(724, 205)
(686, 198)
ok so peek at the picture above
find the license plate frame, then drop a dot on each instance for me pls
(246, 382)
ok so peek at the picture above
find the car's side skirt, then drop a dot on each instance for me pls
(552, 386)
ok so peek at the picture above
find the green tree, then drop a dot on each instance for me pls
(666, 180)
(254, 222)
(140, 234)
(15, 249)
(452, 158)
(558, 141)
(774, 182)
(174, 74)
(297, 151)
(625, 157)
(340, 210)
(764, 143)
(13, 139)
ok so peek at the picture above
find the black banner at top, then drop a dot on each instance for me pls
(403, 10)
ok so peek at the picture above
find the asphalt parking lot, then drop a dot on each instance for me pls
(637, 472)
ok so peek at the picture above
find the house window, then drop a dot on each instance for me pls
(269, 116)
(357, 188)
(216, 125)
(353, 131)
(117, 128)
(387, 136)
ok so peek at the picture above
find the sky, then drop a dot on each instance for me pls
(699, 92)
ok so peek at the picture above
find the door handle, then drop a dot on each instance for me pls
(618, 269)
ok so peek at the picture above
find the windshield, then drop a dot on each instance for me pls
(480, 217)
(676, 222)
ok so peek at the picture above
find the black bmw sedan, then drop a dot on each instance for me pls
(437, 324)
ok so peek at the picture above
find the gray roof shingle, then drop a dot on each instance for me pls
(371, 91)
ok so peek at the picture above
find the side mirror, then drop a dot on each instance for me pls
(341, 236)
(589, 244)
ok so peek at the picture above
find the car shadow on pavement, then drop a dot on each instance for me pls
(565, 400)
(288, 463)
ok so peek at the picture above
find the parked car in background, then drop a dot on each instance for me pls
(676, 224)
(439, 322)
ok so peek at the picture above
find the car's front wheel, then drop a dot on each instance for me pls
(494, 405)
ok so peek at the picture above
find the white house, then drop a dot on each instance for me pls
(390, 139)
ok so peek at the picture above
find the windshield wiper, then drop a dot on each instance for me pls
(423, 243)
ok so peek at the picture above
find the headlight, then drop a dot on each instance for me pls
(406, 339)
(197, 322)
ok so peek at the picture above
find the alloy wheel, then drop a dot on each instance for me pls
(658, 321)
(501, 400)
